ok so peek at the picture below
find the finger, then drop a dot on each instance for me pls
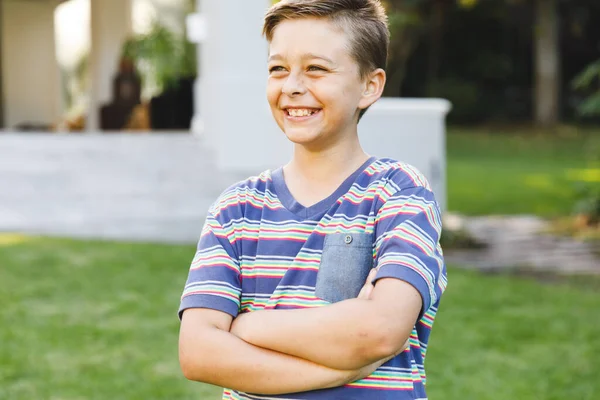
(371, 276)
(361, 294)
(367, 281)
(368, 290)
(365, 291)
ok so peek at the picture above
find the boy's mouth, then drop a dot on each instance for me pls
(300, 113)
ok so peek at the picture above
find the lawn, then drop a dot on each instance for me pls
(500, 171)
(97, 320)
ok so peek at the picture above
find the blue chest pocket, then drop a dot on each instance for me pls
(345, 263)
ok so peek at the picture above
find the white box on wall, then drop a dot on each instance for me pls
(412, 131)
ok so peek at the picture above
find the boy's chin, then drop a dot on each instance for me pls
(301, 136)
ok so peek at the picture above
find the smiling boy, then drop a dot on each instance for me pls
(310, 280)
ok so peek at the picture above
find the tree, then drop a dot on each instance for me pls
(589, 81)
(546, 59)
(547, 78)
(407, 25)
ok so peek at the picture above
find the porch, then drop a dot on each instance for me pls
(158, 185)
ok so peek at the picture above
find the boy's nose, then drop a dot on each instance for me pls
(293, 86)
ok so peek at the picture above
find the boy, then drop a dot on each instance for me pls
(310, 280)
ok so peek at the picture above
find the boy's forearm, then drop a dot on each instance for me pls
(345, 335)
(221, 359)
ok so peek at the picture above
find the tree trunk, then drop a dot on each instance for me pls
(547, 78)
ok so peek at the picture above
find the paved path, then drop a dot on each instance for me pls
(519, 242)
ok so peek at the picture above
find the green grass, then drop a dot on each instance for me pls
(500, 337)
(84, 320)
(96, 320)
(522, 172)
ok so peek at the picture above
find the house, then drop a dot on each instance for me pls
(157, 186)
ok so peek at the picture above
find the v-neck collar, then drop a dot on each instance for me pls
(290, 203)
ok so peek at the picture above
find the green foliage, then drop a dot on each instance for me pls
(587, 76)
(588, 201)
(75, 83)
(488, 44)
(407, 23)
(459, 239)
(399, 20)
(161, 56)
(463, 94)
(588, 80)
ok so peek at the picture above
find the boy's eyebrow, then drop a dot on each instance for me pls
(308, 56)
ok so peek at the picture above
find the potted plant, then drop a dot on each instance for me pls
(167, 64)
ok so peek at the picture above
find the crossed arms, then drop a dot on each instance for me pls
(288, 351)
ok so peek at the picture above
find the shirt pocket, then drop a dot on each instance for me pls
(346, 261)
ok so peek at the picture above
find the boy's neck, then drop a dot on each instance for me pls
(323, 166)
(313, 175)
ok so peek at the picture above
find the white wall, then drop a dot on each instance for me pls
(30, 74)
(148, 186)
(118, 186)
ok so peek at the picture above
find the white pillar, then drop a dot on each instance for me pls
(196, 32)
(110, 26)
(235, 114)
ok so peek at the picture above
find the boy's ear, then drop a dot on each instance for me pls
(374, 84)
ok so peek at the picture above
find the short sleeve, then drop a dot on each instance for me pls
(408, 228)
(214, 276)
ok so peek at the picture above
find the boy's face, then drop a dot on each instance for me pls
(314, 86)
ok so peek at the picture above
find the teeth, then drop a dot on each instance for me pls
(302, 112)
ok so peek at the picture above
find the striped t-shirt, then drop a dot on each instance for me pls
(260, 249)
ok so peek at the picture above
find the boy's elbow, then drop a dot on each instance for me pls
(198, 368)
(198, 343)
(392, 347)
(190, 368)
(194, 374)
(387, 340)
(196, 358)
(370, 345)
(189, 372)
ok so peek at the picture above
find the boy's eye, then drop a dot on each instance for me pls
(316, 68)
(277, 68)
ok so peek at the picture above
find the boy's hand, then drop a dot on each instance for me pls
(367, 288)
(250, 326)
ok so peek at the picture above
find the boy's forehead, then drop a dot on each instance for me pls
(309, 37)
